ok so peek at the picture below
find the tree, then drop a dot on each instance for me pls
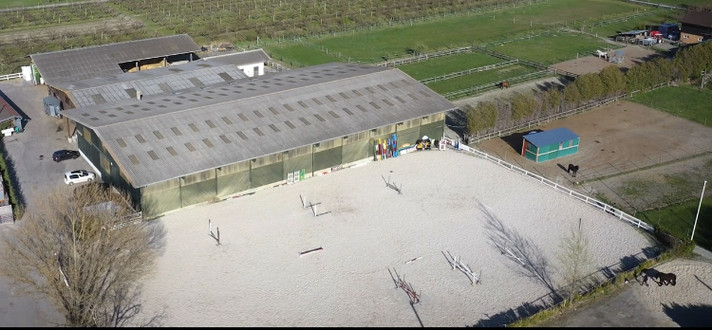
(80, 252)
(523, 105)
(575, 257)
(482, 116)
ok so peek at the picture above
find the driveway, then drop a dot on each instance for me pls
(29, 155)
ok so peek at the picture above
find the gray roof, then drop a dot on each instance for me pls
(168, 136)
(121, 86)
(242, 58)
(82, 63)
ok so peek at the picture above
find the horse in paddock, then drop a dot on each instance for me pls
(503, 85)
(572, 169)
(667, 278)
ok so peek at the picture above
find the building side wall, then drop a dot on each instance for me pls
(276, 169)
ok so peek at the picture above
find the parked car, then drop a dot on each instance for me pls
(61, 155)
(78, 176)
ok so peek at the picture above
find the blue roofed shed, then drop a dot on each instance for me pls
(555, 143)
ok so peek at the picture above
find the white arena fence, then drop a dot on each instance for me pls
(588, 200)
(11, 76)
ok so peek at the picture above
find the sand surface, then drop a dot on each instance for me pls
(256, 277)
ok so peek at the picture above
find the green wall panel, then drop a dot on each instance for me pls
(267, 174)
(408, 136)
(327, 158)
(356, 151)
(198, 192)
(156, 203)
(434, 130)
(303, 162)
(233, 183)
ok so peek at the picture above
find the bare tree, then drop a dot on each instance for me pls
(79, 251)
(575, 257)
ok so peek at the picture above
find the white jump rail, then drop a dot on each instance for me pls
(588, 200)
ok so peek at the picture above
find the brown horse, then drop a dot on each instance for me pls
(504, 84)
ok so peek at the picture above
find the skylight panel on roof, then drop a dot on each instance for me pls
(304, 120)
(370, 90)
(140, 138)
(289, 124)
(176, 131)
(387, 102)
(273, 110)
(333, 114)
(242, 135)
(172, 151)
(360, 107)
(133, 159)
(424, 93)
(121, 142)
(373, 104)
(193, 127)
(400, 99)
(316, 100)
(328, 97)
(319, 117)
(304, 105)
(346, 97)
(152, 154)
(382, 87)
(243, 117)
(227, 120)
(288, 107)
(225, 138)
(357, 92)
(258, 114)
(258, 131)
(274, 128)
(208, 143)
(190, 146)
(158, 135)
(210, 123)
(348, 111)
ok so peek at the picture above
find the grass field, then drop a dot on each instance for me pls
(480, 78)
(447, 64)
(687, 102)
(679, 220)
(471, 29)
(550, 49)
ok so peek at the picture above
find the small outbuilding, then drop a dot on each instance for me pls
(547, 145)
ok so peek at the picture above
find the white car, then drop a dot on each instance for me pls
(78, 176)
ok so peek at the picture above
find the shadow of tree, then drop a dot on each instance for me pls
(689, 315)
(512, 244)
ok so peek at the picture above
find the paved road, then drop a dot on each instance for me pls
(30, 154)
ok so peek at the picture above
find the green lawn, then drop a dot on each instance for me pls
(687, 102)
(479, 78)
(553, 48)
(447, 64)
(679, 220)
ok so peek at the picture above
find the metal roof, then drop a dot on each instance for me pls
(553, 136)
(88, 62)
(115, 87)
(171, 135)
(242, 58)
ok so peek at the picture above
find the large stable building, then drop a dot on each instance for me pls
(234, 135)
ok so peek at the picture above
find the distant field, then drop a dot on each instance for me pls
(687, 102)
(374, 45)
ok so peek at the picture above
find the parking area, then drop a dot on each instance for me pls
(29, 153)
